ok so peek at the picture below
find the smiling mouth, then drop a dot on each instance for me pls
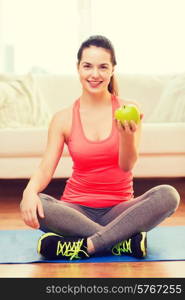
(93, 83)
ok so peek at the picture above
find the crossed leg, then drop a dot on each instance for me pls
(119, 223)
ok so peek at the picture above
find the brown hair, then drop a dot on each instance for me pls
(103, 42)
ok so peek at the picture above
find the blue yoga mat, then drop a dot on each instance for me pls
(164, 243)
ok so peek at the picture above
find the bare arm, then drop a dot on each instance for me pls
(55, 143)
(129, 136)
(129, 139)
(31, 204)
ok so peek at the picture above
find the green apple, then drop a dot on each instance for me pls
(127, 113)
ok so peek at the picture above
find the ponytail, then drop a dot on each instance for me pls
(113, 86)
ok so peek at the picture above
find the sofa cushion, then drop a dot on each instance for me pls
(59, 91)
(171, 107)
(156, 138)
(21, 103)
(163, 138)
(142, 88)
(24, 143)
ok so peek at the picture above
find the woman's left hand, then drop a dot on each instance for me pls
(127, 127)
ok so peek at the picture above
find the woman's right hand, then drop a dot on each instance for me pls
(30, 207)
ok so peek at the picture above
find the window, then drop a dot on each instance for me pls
(147, 34)
(39, 35)
(44, 35)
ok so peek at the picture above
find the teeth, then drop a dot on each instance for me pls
(94, 82)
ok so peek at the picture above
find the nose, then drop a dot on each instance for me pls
(95, 73)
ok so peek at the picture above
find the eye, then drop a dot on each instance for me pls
(87, 66)
(104, 67)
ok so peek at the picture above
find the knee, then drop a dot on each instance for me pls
(42, 196)
(169, 196)
(45, 198)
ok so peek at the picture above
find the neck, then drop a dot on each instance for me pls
(97, 100)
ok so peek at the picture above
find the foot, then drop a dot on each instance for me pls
(135, 246)
(54, 246)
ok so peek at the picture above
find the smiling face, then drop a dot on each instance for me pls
(95, 69)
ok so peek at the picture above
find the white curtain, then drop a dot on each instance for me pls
(44, 35)
(40, 35)
(148, 34)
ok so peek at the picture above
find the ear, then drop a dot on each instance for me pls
(113, 68)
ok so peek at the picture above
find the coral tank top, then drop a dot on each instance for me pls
(96, 180)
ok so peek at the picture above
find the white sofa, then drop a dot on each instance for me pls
(162, 150)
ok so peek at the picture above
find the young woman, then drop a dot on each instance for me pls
(97, 212)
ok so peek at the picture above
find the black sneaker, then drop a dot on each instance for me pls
(54, 246)
(135, 246)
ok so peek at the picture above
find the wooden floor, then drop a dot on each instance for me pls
(10, 196)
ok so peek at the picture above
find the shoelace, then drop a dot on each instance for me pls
(70, 249)
(124, 246)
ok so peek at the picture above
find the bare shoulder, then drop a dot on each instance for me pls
(62, 115)
(61, 121)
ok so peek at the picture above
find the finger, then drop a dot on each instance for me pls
(119, 125)
(126, 126)
(26, 219)
(133, 126)
(32, 219)
(25, 216)
(40, 210)
(141, 116)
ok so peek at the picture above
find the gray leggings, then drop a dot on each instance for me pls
(108, 226)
